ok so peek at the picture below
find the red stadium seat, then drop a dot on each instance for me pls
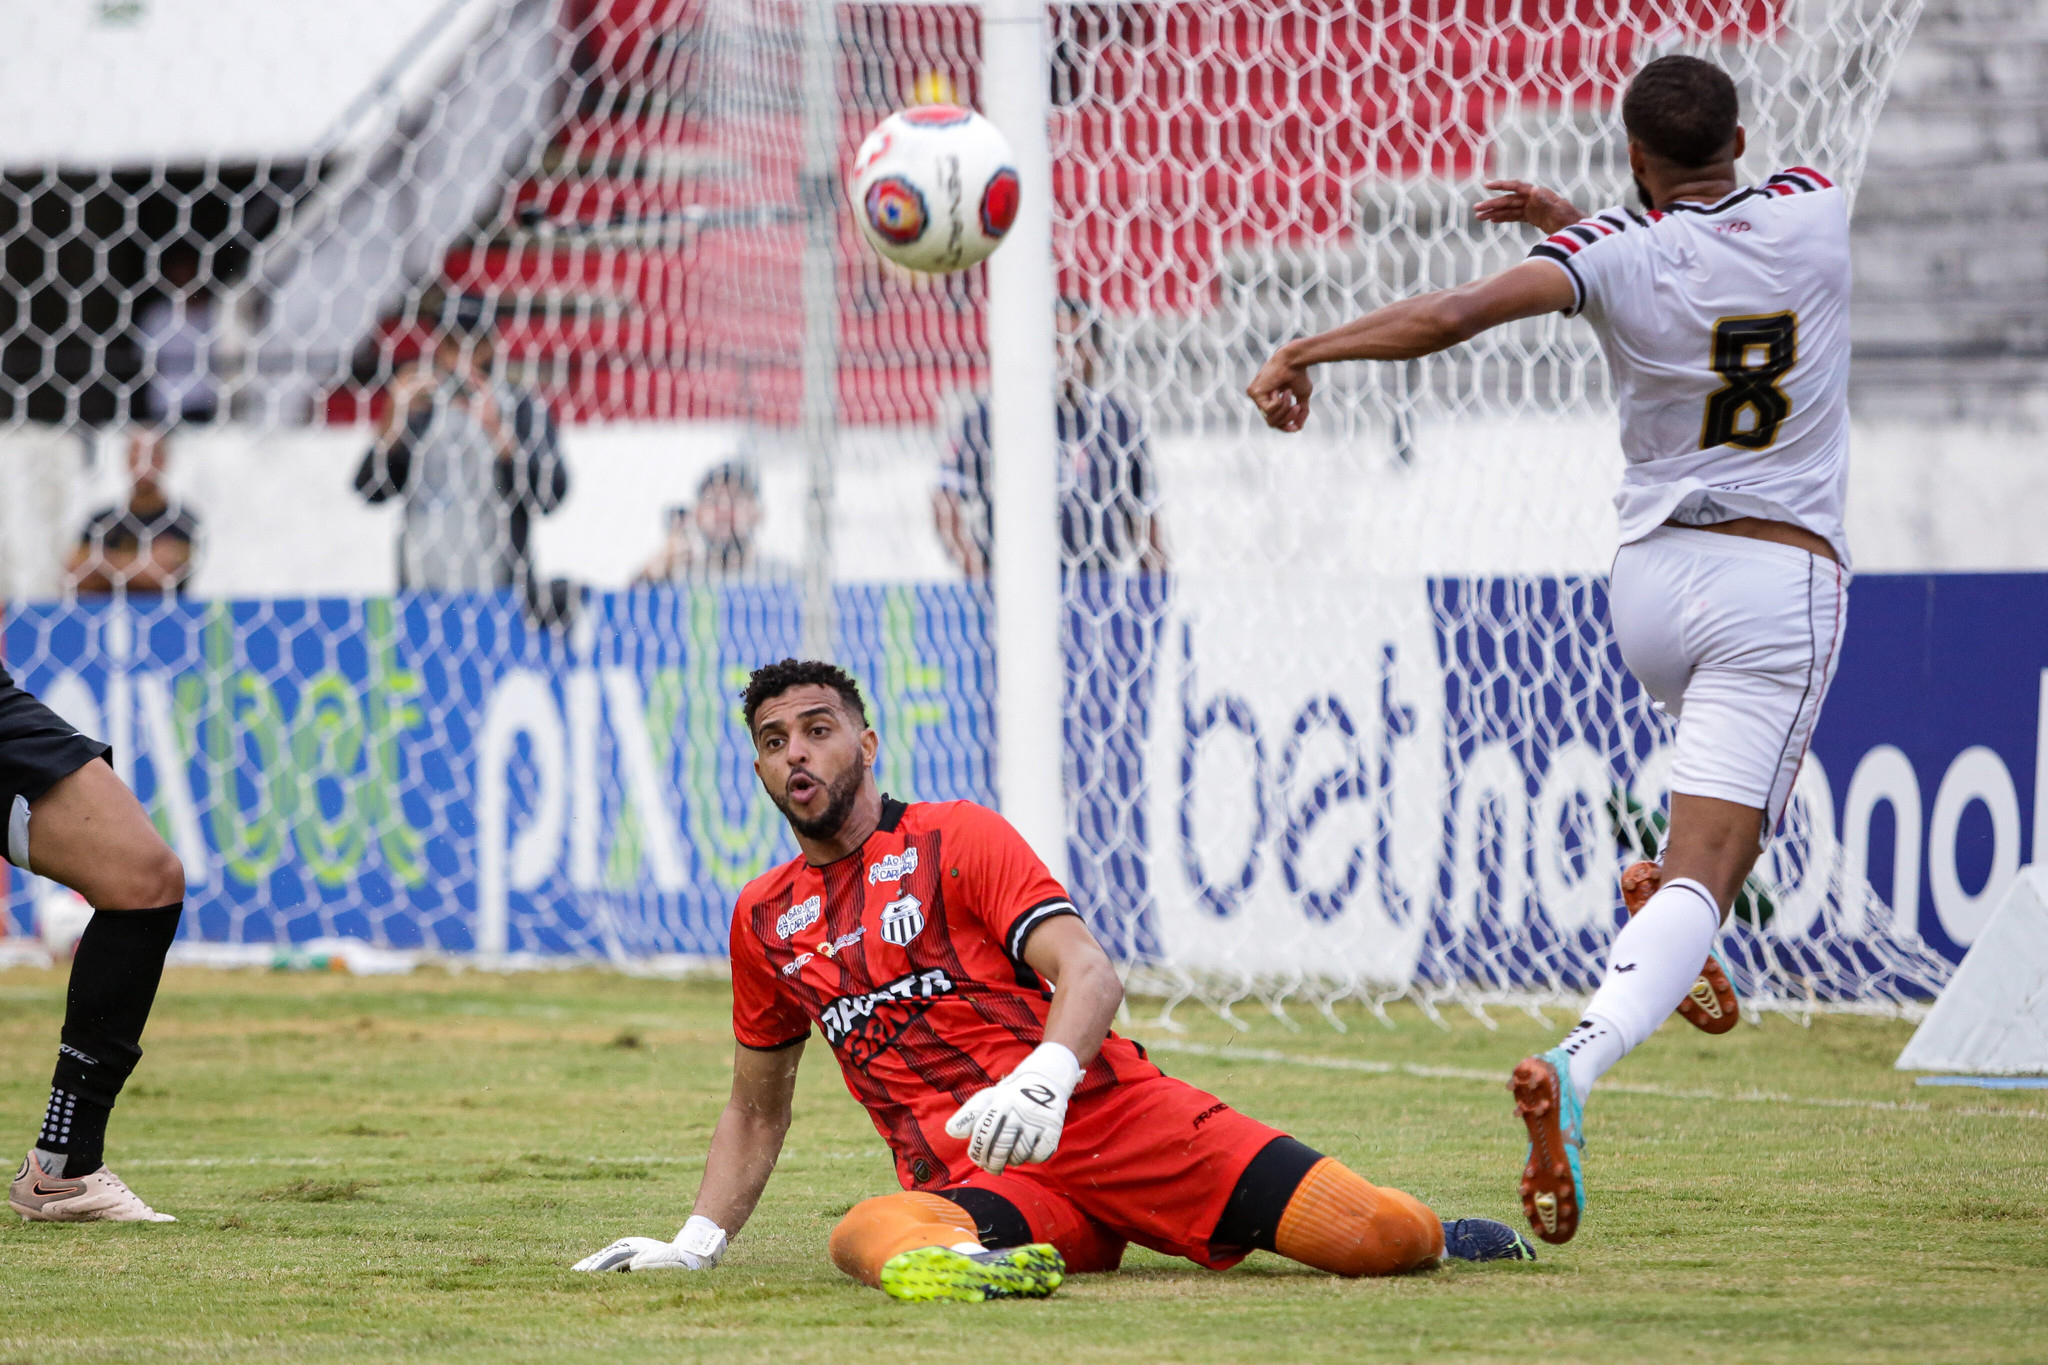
(1199, 128)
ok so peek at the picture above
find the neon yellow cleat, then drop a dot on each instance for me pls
(923, 1274)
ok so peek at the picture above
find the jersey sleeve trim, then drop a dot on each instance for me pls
(1562, 246)
(1798, 180)
(1542, 252)
(1021, 931)
(1569, 242)
(782, 1046)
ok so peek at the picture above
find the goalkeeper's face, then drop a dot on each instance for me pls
(812, 758)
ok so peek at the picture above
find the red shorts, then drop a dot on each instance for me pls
(1151, 1162)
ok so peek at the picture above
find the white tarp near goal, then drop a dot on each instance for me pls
(1992, 1019)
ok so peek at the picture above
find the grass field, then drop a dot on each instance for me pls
(403, 1168)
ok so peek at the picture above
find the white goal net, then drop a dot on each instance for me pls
(1387, 746)
(413, 428)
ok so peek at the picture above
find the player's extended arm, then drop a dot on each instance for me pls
(1018, 1119)
(1086, 991)
(744, 1148)
(1406, 330)
(748, 1139)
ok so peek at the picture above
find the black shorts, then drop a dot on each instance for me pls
(38, 749)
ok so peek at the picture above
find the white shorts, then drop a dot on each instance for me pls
(1736, 640)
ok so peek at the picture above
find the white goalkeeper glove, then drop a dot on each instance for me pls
(1017, 1120)
(699, 1246)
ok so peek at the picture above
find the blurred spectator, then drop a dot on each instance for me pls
(474, 456)
(1109, 516)
(176, 327)
(715, 537)
(671, 563)
(143, 545)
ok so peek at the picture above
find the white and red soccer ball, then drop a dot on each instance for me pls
(934, 188)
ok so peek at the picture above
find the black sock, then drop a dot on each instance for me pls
(74, 1127)
(114, 976)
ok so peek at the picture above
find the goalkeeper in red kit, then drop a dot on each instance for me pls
(969, 1009)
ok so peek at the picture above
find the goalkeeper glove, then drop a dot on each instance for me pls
(699, 1246)
(1017, 1120)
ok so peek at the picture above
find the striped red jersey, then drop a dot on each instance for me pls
(908, 954)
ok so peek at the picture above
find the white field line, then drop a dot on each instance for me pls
(375, 1159)
(1499, 1078)
(207, 1162)
(1362, 1065)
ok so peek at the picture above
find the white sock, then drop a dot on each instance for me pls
(1655, 959)
(1594, 1046)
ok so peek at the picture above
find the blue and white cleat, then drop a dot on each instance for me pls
(1482, 1239)
(1553, 1187)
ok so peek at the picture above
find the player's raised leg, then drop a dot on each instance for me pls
(89, 832)
(1652, 968)
(1744, 668)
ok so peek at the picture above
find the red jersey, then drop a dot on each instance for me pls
(909, 955)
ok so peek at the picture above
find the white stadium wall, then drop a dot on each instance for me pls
(93, 84)
(282, 519)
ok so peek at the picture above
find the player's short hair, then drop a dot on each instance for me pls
(771, 680)
(1682, 109)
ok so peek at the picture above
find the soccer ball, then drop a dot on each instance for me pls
(933, 188)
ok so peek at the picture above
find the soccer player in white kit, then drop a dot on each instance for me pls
(1724, 314)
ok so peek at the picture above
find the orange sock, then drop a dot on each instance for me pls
(1339, 1222)
(876, 1229)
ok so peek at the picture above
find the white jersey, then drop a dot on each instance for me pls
(1726, 327)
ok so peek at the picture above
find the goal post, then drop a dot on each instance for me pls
(1030, 671)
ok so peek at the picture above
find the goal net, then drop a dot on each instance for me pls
(1343, 718)
(1390, 747)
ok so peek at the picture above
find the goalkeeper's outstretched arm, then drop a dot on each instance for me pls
(748, 1139)
(744, 1148)
(1406, 330)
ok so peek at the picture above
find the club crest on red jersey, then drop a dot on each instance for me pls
(894, 868)
(902, 920)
